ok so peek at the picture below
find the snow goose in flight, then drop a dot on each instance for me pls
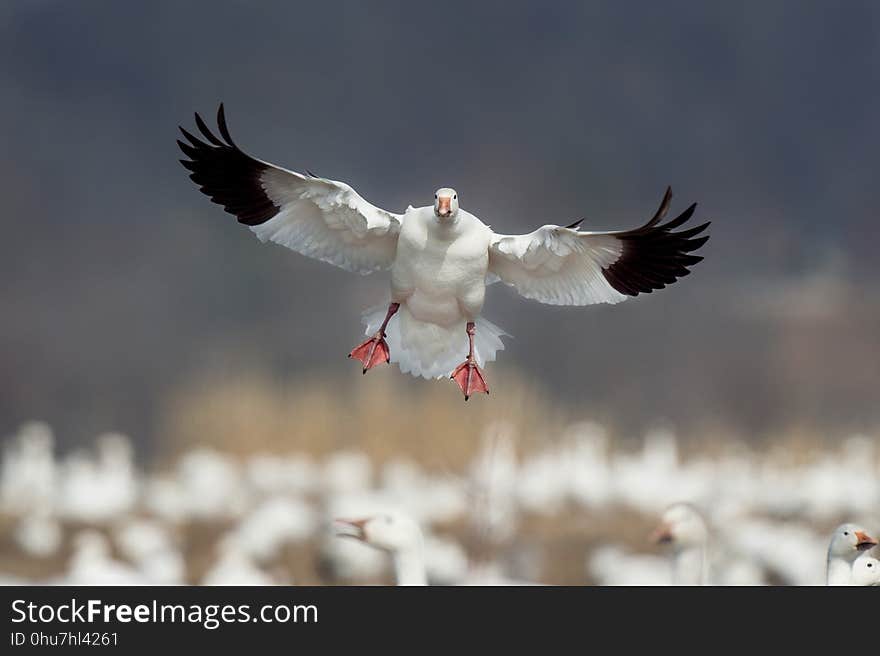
(440, 256)
(848, 542)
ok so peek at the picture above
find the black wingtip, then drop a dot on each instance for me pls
(221, 123)
(228, 176)
(206, 131)
(195, 141)
(655, 256)
(662, 209)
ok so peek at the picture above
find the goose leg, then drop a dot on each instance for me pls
(468, 375)
(375, 350)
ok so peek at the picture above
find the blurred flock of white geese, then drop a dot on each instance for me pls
(734, 518)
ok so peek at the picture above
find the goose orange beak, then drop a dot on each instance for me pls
(865, 541)
(662, 534)
(358, 526)
(443, 205)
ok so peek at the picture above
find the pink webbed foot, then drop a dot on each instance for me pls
(470, 378)
(372, 352)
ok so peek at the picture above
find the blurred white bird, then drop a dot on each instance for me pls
(148, 545)
(866, 571)
(397, 535)
(38, 533)
(683, 528)
(274, 523)
(210, 485)
(28, 475)
(440, 256)
(346, 472)
(101, 488)
(92, 564)
(270, 474)
(234, 566)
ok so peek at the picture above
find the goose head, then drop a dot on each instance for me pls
(849, 540)
(388, 531)
(682, 527)
(866, 571)
(445, 203)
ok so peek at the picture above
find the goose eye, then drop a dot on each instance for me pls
(846, 532)
(454, 196)
(870, 564)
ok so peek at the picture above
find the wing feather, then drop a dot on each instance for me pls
(566, 266)
(318, 217)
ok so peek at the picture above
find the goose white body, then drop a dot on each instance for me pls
(439, 278)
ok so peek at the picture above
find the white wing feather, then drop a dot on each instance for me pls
(328, 221)
(556, 265)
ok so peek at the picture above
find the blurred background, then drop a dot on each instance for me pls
(184, 377)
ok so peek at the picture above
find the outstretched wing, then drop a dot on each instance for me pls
(564, 266)
(320, 218)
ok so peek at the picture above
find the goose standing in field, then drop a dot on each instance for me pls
(684, 529)
(440, 256)
(848, 542)
(396, 534)
(866, 571)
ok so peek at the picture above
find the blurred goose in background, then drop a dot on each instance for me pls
(276, 522)
(848, 542)
(683, 528)
(440, 256)
(418, 559)
(148, 544)
(38, 533)
(235, 567)
(28, 475)
(271, 474)
(759, 540)
(92, 564)
(347, 472)
(611, 565)
(397, 535)
(101, 488)
(209, 485)
(866, 571)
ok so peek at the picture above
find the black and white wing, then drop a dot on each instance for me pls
(565, 266)
(320, 218)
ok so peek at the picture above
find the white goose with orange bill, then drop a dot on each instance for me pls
(396, 534)
(440, 256)
(848, 542)
(683, 528)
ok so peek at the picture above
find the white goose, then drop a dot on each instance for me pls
(866, 571)
(397, 535)
(440, 256)
(848, 542)
(684, 529)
